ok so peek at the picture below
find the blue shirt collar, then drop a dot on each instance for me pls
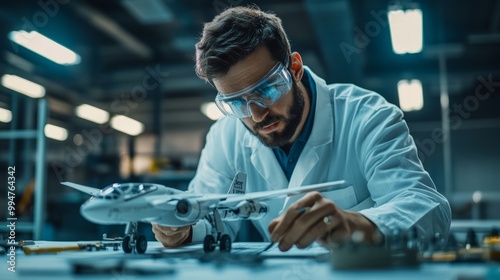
(288, 161)
(309, 83)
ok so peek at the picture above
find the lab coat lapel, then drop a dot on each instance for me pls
(265, 162)
(311, 168)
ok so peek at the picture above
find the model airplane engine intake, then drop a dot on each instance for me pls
(247, 210)
(191, 209)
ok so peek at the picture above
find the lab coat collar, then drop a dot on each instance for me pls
(322, 132)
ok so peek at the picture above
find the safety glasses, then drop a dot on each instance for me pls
(263, 93)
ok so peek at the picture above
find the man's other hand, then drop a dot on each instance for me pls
(172, 236)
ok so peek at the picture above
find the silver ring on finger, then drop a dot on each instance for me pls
(328, 220)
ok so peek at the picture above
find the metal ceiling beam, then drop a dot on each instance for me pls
(488, 38)
(113, 29)
(172, 86)
(172, 78)
(495, 19)
(334, 29)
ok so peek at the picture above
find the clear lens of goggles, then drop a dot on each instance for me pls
(263, 93)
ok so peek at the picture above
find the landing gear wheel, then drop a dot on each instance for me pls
(141, 244)
(126, 246)
(209, 244)
(225, 243)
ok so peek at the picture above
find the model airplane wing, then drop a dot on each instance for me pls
(82, 188)
(165, 203)
(266, 195)
(222, 201)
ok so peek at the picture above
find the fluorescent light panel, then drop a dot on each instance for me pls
(23, 86)
(406, 30)
(45, 47)
(210, 110)
(127, 125)
(56, 132)
(410, 94)
(92, 113)
(5, 115)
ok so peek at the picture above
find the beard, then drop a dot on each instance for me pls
(282, 138)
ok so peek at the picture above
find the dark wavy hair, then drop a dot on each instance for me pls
(233, 35)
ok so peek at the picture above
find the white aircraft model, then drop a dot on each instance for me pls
(130, 203)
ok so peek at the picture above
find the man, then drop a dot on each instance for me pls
(285, 127)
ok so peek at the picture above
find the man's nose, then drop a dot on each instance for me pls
(258, 113)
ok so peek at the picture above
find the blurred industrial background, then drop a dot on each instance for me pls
(134, 59)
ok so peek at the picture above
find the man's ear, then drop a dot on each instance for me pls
(296, 66)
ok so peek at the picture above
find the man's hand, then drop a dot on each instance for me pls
(323, 221)
(172, 236)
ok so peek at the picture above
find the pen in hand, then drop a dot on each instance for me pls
(299, 211)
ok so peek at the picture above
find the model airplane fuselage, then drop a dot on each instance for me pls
(129, 203)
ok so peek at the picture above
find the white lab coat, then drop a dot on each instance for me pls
(356, 136)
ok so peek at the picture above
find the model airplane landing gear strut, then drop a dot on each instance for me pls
(132, 240)
(217, 236)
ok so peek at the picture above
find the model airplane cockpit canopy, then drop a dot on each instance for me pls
(127, 191)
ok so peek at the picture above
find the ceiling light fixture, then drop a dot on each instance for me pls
(5, 115)
(411, 97)
(91, 113)
(210, 110)
(56, 132)
(45, 47)
(127, 125)
(405, 25)
(23, 86)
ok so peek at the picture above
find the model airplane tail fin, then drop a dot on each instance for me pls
(239, 184)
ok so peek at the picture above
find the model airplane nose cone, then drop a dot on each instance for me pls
(91, 213)
(97, 212)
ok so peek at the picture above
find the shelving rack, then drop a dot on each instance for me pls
(36, 227)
